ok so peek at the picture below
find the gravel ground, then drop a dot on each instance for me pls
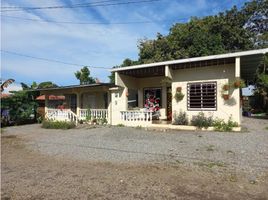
(240, 150)
(129, 163)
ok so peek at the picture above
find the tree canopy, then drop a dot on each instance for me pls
(84, 76)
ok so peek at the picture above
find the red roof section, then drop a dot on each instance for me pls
(51, 97)
(4, 95)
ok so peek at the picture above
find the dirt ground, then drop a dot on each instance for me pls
(26, 174)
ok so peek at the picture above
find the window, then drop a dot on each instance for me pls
(202, 96)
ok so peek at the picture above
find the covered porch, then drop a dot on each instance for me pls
(80, 102)
(143, 96)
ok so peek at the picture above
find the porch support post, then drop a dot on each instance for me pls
(140, 98)
(237, 91)
(109, 108)
(78, 103)
(46, 103)
(164, 101)
(168, 72)
(237, 67)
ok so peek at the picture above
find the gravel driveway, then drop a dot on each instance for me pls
(243, 150)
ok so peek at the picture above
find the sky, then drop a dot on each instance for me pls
(95, 45)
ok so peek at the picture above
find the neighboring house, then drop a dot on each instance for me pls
(78, 101)
(143, 95)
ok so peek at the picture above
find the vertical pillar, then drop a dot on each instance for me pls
(164, 101)
(46, 103)
(78, 104)
(140, 98)
(237, 67)
(237, 91)
(109, 108)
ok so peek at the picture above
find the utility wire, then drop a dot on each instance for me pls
(105, 23)
(80, 6)
(94, 2)
(50, 60)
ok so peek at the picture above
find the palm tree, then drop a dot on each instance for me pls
(6, 83)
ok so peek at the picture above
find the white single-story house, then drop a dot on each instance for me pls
(152, 94)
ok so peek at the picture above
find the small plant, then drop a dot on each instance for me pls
(225, 87)
(120, 125)
(39, 119)
(178, 96)
(88, 116)
(226, 97)
(239, 83)
(48, 124)
(221, 125)
(103, 121)
(210, 148)
(181, 119)
(201, 121)
(178, 89)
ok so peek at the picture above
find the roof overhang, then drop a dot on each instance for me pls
(196, 59)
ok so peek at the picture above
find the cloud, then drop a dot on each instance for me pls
(91, 45)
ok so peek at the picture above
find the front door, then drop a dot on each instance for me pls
(169, 104)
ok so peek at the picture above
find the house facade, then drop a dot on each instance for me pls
(155, 93)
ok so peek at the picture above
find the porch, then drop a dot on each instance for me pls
(79, 103)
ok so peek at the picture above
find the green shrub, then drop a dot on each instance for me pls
(57, 124)
(201, 121)
(180, 119)
(120, 125)
(221, 125)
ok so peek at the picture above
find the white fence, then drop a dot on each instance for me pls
(94, 113)
(61, 115)
(136, 118)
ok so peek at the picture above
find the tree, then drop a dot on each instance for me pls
(34, 85)
(126, 62)
(21, 106)
(6, 83)
(84, 76)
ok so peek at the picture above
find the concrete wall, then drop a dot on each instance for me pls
(222, 75)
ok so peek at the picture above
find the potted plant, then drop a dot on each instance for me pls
(178, 96)
(225, 96)
(239, 83)
(225, 87)
(178, 89)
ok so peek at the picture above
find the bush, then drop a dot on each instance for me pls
(201, 121)
(180, 119)
(221, 125)
(57, 124)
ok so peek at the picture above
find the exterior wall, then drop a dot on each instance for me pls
(220, 74)
(118, 103)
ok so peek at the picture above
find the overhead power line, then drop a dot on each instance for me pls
(79, 6)
(50, 60)
(92, 23)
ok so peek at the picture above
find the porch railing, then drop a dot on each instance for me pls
(137, 116)
(61, 115)
(94, 113)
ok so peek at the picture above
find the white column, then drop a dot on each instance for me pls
(237, 91)
(168, 71)
(164, 101)
(109, 108)
(78, 104)
(237, 67)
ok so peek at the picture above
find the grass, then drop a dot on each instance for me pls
(266, 128)
(120, 125)
(210, 148)
(211, 164)
(57, 124)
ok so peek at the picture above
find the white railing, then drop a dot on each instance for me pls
(61, 115)
(94, 113)
(137, 116)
